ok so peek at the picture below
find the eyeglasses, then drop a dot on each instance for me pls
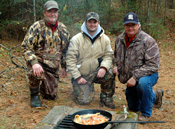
(132, 26)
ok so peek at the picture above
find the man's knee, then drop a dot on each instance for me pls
(83, 101)
(148, 80)
(143, 83)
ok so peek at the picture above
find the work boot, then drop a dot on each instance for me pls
(35, 99)
(159, 96)
(143, 118)
(108, 102)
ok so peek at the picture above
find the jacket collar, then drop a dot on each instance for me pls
(84, 30)
(53, 27)
(122, 36)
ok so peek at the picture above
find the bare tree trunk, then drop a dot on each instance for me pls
(148, 14)
(170, 4)
(34, 13)
(132, 5)
(165, 12)
(150, 5)
(158, 7)
(140, 5)
(86, 8)
(154, 4)
(123, 3)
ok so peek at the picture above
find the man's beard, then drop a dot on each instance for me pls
(52, 21)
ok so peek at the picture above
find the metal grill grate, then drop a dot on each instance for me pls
(66, 123)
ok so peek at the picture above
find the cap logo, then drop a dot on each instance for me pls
(130, 16)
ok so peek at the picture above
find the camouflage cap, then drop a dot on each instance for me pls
(50, 5)
(92, 15)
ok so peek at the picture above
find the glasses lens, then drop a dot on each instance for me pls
(128, 26)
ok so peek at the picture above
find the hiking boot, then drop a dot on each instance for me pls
(108, 102)
(143, 118)
(159, 96)
(35, 99)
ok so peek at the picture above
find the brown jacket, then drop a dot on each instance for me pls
(140, 59)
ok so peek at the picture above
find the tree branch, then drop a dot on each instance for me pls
(16, 61)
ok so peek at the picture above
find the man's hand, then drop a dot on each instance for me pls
(63, 73)
(115, 71)
(101, 73)
(131, 82)
(37, 70)
(81, 80)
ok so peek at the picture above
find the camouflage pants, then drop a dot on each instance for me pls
(48, 83)
(84, 94)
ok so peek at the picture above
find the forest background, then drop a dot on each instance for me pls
(157, 18)
(17, 15)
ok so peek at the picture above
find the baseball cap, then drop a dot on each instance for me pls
(131, 18)
(50, 5)
(92, 15)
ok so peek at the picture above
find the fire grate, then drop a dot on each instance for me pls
(66, 123)
(56, 119)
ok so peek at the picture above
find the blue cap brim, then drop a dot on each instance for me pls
(127, 22)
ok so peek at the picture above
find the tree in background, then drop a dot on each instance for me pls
(17, 15)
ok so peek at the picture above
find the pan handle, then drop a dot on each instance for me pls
(136, 122)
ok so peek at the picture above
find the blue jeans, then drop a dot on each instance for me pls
(141, 97)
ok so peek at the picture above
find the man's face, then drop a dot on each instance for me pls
(92, 25)
(51, 15)
(131, 29)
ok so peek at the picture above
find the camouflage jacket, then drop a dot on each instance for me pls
(42, 46)
(140, 59)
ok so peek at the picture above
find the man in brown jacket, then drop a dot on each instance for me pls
(89, 60)
(44, 48)
(136, 62)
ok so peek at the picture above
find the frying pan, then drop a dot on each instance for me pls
(102, 125)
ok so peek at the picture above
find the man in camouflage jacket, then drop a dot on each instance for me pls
(136, 62)
(89, 60)
(44, 48)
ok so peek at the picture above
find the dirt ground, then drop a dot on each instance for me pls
(16, 113)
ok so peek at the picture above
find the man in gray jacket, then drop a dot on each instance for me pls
(136, 62)
(89, 60)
